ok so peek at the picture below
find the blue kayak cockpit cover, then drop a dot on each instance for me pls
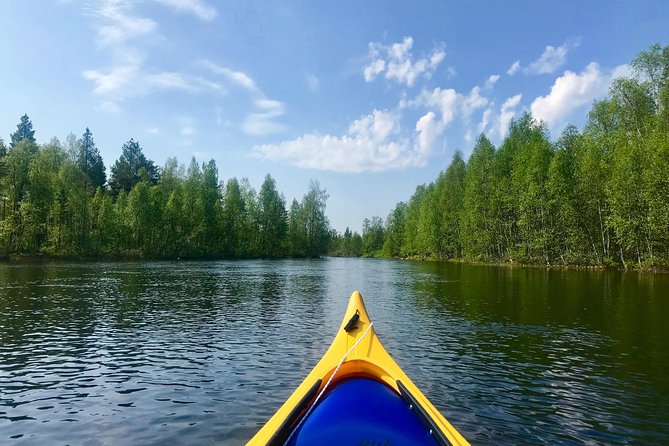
(362, 412)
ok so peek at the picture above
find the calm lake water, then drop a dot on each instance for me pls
(205, 352)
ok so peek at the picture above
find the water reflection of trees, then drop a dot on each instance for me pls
(628, 309)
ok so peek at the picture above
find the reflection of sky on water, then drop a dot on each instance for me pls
(200, 352)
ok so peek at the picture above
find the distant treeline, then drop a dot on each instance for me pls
(595, 197)
(55, 200)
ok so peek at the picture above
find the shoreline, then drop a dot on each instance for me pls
(569, 267)
(36, 259)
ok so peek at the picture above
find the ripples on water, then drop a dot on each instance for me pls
(205, 352)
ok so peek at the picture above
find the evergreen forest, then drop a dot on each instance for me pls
(596, 197)
(56, 201)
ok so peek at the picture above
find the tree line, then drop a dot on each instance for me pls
(55, 200)
(599, 196)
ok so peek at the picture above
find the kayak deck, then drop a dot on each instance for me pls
(349, 391)
(362, 411)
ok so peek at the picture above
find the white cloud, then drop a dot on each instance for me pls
(443, 107)
(167, 81)
(429, 129)
(118, 24)
(485, 120)
(491, 81)
(373, 69)
(621, 71)
(238, 78)
(376, 143)
(473, 102)
(197, 7)
(312, 82)
(398, 63)
(573, 90)
(507, 112)
(126, 76)
(203, 84)
(377, 127)
(153, 130)
(550, 60)
(262, 123)
(109, 83)
(130, 80)
(449, 103)
(513, 69)
(257, 123)
(446, 101)
(371, 144)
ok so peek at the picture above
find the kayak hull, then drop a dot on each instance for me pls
(356, 367)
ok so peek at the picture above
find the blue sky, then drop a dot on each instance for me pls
(369, 98)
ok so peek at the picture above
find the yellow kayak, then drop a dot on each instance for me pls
(357, 395)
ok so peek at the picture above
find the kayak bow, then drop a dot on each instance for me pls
(358, 395)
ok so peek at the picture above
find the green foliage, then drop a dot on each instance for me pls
(212, 209)
(3, 154)
(90, 162)
(600, 197)
(104, 224)
(373, 234)
(564, 236)
(449, 190)
(272, 219)
(652, 65)
(528, 185)
(44, 184)
(395, 228)
(308, 227)
(53, 201)
(234, 220)
(348, 244)
(131, 168)
(414, 241)
(655, 194)
(478, 208)
(24, 131)
(296, 230)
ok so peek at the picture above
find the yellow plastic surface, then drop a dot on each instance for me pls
(369, 358)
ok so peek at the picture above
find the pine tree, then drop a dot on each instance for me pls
(131, 168)
(3, 154)
(90, 162)
(24, 130)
